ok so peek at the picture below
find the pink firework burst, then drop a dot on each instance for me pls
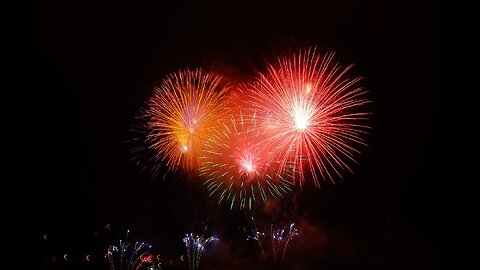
(315, 113)
(233, 163)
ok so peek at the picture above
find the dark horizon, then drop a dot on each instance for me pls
(97, 64)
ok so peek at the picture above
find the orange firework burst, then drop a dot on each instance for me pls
(234, 166)
(314, 112)
(184, 107)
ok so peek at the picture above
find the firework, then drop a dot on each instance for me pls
(257, 236)
(280, 239)
(126, 256)
(185, 105)
(233, 162)
(195, 247)
(314, 112)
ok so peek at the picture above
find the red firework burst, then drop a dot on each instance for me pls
(314, 112)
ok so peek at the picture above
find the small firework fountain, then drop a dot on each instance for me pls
(195, 247)
(280, 238)
(126, 256)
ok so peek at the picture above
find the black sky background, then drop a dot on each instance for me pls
(97, 63)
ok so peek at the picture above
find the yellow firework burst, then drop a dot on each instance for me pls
(185, 106)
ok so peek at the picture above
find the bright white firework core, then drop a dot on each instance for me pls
(300, 118)
(247, 164)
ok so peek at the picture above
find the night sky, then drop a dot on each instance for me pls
(98, 61)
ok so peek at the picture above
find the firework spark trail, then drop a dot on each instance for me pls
(134, 255)
(279, 242)
(128, 257)
(233, 163)
(195, 247)
(111, 263)
(280, 239)
(256, 235)
(315, 113)
(184, 107)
